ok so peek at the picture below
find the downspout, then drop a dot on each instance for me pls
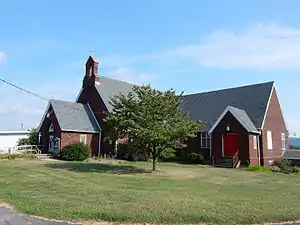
(258, 146)
(99, 147)
(210, 148)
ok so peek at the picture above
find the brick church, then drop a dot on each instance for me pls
(241, 123)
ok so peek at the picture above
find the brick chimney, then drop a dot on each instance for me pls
(91, 73)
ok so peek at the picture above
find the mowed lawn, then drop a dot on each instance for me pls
(130, 192)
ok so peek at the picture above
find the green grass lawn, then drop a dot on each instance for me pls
(129, 192)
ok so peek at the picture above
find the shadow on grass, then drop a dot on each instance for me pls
(98, 167)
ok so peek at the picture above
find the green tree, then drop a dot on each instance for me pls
(31, 139)
(151, 118)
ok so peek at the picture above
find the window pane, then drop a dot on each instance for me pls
(254, 142)
(269, 140)
(283, 144)
(204, 144)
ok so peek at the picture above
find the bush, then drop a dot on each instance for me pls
(75, 152)
(26, 156)
(130, 152)
(196, 158)
(258, 168)
(284, 166)
(191, 157)
(168, 155)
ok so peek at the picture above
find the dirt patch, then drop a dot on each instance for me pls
(6, 205)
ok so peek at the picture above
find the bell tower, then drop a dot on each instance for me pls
(91, 73)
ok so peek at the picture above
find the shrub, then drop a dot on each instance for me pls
(258, 168)
(284, 166)
(26, 156)
(130, 152)
(192, 157)
(168, 155)
(196, 158)
(75, 152)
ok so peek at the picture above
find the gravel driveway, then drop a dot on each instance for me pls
(9, 217)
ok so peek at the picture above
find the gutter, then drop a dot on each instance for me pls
(99, 147)
(258, 146)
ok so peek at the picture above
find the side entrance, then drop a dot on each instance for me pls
(230, 144)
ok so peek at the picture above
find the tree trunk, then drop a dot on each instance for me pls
(153, 163)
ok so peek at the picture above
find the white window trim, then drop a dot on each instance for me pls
(254, 142)
(269, 140)
(207, 138)
(51, 128)
(83, 136)
(283, 142)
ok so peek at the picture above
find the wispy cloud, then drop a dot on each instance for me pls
(21, 108)
(131, 75)
(2, 56)
(260, 46)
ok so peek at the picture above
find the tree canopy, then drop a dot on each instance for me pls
(31, 139)
(151, 118)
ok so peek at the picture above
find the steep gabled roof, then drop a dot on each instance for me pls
(73, 116)
(110, 87)
(240, 116)
(208, 106)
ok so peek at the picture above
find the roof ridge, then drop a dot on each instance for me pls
(236, 87)
(114, 79)
(64, 101)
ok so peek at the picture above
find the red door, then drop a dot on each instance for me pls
(230, 144)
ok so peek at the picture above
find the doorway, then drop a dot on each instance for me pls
(230, 144)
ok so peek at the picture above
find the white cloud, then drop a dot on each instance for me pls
(19, 107)
(259, 47)
(131, 75)
(2, 56)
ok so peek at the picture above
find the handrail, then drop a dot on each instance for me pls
(235, 159)
(36, 149)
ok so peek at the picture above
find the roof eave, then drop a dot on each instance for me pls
(81, 131)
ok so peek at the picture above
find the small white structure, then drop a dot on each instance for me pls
(9, 139)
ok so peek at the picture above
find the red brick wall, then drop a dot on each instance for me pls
(253, 153)
(275, 123)
(91, 96)
(92, 140)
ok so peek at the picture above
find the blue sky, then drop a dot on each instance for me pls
(189, 45)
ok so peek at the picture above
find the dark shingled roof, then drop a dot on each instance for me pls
(243, 117)
(73, 116)
(251, 101)
(292, 154)
(110, 87)
(208, 106)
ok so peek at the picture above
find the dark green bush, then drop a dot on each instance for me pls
(131, 152)
(196, 158)
(284, 166)
(168, 155)
(75, 152)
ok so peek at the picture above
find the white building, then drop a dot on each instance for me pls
(9, 139)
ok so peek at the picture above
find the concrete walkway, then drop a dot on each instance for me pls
(9, 217)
